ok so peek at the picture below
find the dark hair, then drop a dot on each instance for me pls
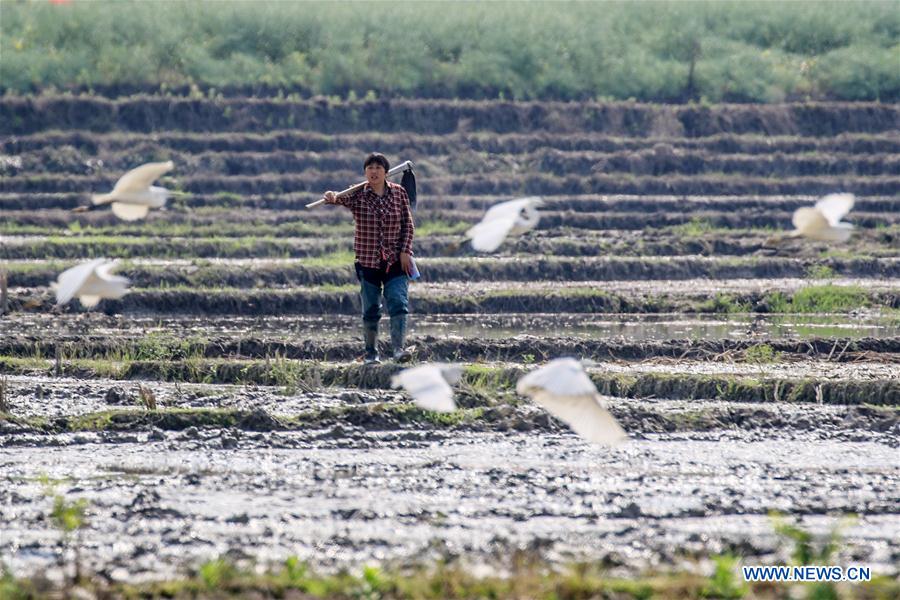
(377, 157)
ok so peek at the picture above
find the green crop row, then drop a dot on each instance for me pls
(667, 51)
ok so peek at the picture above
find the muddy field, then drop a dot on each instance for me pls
(220, 409)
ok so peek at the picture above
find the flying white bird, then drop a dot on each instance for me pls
(429, 385)
(134, 195)
(566, 391)
(90, 282)
(821, 222)
(514, 217)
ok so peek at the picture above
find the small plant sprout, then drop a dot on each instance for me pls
(69, 517)
(4, 390)
(147, 397)
(808, 550)
(820, 272)
(761, 354)
(724, 582)
(216, 574)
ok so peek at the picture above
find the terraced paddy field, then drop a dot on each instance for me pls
(220, 410)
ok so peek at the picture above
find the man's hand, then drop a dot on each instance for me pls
(330, 197)
(406, 263)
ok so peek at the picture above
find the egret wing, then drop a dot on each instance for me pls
(560, 377)
(487, 236)
(427, 386)
(809, 221)
(585, 416)
(835, 206)
(104, 273)
(71, 280)
(140, 178)
(452, 373)
(510, 208)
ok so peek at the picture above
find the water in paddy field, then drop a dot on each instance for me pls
(586, 326)
(654, 327)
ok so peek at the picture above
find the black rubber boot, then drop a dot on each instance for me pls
(370, 335)
(398, 336)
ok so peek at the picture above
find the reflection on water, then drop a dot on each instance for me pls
(630, 326)
(649, 327)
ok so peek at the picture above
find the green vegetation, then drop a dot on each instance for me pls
(216, 231)
(185, 229)
(526, 577)
(481, 386)
(696, 227)
(485, 377)
(488, 385)
(196, 359)
(123, 246)
(724, 304)
(820, 272)
(69, 517)
(807, 552)
(440, 227)
(216, 574)
(720, 51)
(341, 258)
(761, 354)
(827, 298)
(725, 582)
(288, 374)
(12, 588)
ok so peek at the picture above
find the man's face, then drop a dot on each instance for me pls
(375, 174)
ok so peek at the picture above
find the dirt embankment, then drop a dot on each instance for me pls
(315, 302)
(662, 159)
(421, 145)
(23, 115)
(520, 348)
(33, 208)
(437, 270)
(545, 184)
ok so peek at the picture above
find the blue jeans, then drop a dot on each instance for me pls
(396, 297)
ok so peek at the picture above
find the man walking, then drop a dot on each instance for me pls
(383, 246)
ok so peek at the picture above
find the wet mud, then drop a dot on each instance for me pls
(163, 499)
(221, 409)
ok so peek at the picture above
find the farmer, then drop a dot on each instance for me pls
(383, 246)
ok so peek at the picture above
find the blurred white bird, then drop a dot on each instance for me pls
(429, 385)
(90, 282)
(134, 195)
(514, 217)
(566, 391)
(821, 222)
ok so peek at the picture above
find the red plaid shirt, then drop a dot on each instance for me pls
(384, 225)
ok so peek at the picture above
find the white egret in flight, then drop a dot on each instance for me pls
(90, 282)
(821, 222)
(429, 385)
(134, 193)
(514, 217)
(565, 390)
